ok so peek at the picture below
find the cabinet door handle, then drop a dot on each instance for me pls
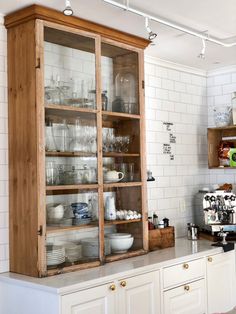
(186, 288)
(123, 283)
(112, 287)
(186, 266)
(210, 259)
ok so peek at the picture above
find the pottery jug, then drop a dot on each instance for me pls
(110, 208)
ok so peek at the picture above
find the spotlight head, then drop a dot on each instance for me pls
(68, 9)
(152, 36)
(201, 56)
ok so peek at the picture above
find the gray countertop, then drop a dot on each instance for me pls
(184, 250)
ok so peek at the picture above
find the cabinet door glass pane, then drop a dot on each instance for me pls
(69, 69)
(120, 79)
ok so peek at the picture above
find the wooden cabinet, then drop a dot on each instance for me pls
(189, 298)
(76, 119)
(215, 136)
(99, 300)
(221, 282)
(135, 295)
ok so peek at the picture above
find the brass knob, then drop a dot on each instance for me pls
(113, 287)
(123, 283)
(186, 266)
(210, 259)
(186, 288)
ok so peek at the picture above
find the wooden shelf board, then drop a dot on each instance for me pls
(71, 187)
(117, 257)
(65, 269)
(70, 112)
(70, 108)
(58, 229)
(121, 184)
(119, 222)
(229, 127)
(214, 167)
(121, 154)
(109, 115)
(70, 154)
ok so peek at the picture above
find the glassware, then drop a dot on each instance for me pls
(51, 173)
(62, 137)
(125, 91)
(223, 116)
(131, 172)
(75, 144)
(50, 143)
(104, 100)
(233, 102)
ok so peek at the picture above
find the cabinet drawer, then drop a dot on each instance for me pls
(186, 299)
(178, 274)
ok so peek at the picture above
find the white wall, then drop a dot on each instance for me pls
(4, 255)
(175, 96)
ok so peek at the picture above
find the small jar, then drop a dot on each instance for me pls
(161, 224)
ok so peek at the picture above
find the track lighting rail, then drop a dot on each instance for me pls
(170, 24)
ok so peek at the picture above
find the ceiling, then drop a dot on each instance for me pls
(215, 16)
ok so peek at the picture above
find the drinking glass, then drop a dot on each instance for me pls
(131, 171)
(51, 173)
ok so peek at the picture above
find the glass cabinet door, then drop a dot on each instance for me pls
(71, 163)
(120, 79)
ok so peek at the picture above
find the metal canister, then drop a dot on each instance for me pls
(192, 231)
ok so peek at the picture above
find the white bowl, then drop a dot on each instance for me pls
(118, 235)
(55, 212)
(121, 245)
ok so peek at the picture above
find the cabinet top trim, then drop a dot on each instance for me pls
(34, 12)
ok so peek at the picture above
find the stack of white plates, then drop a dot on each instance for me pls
(55, 255)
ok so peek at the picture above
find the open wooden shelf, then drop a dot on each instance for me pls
(71, 187)
(58, 229)
(69, 154)
(121, 184)
(113, 154)
(120, 222)
(110, 115)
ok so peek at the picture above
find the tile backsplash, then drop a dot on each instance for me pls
(179, 108)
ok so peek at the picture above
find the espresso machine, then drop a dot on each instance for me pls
(218, 212)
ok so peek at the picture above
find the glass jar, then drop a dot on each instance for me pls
(50, 143)
(233, 102)
(125, 90)
(104, 100)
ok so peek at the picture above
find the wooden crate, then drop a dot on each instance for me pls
(161, 238)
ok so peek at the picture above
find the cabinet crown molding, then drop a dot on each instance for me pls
(35, 11)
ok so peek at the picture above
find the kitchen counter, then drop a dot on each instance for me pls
(71, 282)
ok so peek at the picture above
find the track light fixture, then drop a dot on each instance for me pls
(68, 9)
(202, 53)
(151, 34)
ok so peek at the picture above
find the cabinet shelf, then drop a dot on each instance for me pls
(120, 154)
(110, 115)
(70, 111)
(69, 154)
(121, 184)
(58, 229)
(120, 222)
(66, 269)
(71, 187)
(117, 257)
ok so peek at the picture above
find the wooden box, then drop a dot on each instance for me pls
(161, 238)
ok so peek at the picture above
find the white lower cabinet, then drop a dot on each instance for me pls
(186, 299)
(140, 294)
(134, 295)
(221, 282)
(97, 300)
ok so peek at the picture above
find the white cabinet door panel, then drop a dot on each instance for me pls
(98, 300)
(221, 282)
(182, 301)
(141, 295)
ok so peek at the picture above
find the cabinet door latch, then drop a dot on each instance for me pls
(40, 231)
(38, 65)
(143, 84)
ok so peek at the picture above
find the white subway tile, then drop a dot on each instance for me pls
(214, 90)
(154, 81)
(162, 94)
(222, 79)
(4, 236)
(150, 68)
(229, 88)
(174, 75)
(185, 77)
(167, 84)
(180, 87)
(174, 96)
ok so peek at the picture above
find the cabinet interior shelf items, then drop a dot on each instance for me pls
(215, 136)
(76, 124)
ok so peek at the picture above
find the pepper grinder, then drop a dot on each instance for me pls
(223, 235)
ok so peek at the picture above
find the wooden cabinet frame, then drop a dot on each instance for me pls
(26, 132)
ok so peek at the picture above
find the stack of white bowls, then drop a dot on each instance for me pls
(55, 254)
(90, 247)
(73, 251)
(120, 242)
(55, 212)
